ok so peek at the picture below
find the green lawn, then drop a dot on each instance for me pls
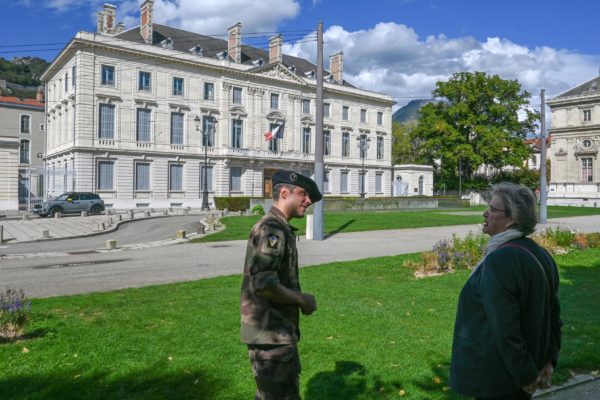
(237, 228)
(377, 331)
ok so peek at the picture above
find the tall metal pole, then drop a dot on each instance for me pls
(319, 207)
(543, 193)
(205, 206)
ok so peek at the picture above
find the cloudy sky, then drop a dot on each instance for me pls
(400, 47)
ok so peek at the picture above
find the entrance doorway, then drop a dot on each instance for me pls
(268, 182)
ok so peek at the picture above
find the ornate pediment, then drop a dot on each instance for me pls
(586, 147)
(278, 71)
(275, 115)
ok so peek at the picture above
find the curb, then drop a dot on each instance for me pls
(574, 381)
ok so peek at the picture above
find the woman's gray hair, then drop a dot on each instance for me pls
(519, 203)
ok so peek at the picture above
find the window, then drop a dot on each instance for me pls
(533, 160)
(142, 176)
(41, 127)
(235, 184)
(25, 123)
(144, 81)
(326, 110)
(143, 132)
(345, 144)
(587, 143)
(105, 175)
(208, 127)
(306, 140)
(362, 177)
(344, 182)
(237, 95)
(305, 106)
(586, 170)
(177, 86)
(421, 179)
(236, 133)
(209, 177)
(74, 76)
(24, 152)
(326, 143)
(209, 91)
(66, 82)
(326, 182)
(175, 177)
(274, 101)
(379, 118)
(380, 147)
(108, 75)
(363, 116)
(587, 115)
(378, 186)
(176, 128)
(106, 122)
(345, 113)
(274, 143)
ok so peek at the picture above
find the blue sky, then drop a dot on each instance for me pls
(401, 47)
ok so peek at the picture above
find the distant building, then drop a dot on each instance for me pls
(22, 136)
(127, 111)
(413, 180)
(575, 173)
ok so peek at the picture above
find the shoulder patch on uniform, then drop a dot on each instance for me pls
(271, 240)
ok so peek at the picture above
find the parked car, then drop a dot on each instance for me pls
(71, 203)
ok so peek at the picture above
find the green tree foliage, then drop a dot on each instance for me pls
(25, 71)
(481, 119)
(405, 148)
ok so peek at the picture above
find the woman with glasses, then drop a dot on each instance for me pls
(507, 331)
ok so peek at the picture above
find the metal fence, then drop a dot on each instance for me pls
(36, 184)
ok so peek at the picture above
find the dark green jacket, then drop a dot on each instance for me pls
(507, 323)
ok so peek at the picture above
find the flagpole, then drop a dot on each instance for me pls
(319, 206)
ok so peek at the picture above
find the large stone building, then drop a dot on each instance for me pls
(575, 137)
(133, 112)
(22, 136)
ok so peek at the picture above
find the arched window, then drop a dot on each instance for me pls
(421, 185)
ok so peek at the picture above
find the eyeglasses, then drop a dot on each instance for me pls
(494, 209)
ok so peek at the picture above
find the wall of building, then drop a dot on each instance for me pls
(9, 173)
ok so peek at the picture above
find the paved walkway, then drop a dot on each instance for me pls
(581, 387)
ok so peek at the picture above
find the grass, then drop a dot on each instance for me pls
(377, 331)
(237, 228)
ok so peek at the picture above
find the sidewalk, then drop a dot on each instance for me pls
(581, 387)
(21, 227)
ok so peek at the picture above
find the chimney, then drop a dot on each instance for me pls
(275, 49)
(146, 10)
(234, 42)
(39, 95)
(100, 22)
(110, 14)
(336, 66)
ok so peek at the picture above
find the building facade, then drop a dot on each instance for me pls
(133, 114)
(22, 136)
(575, 140)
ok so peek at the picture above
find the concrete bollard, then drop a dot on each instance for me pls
(152, 210)
(46, 234)
(119, 218)
(25, 217)
(147, 213)
(84, 214)
(109, 212)
(130, 214)
(111, 244)
(309, 227)
(180, 235)
(57, 215)
(200, 229)
(101, 226)
(1, 233)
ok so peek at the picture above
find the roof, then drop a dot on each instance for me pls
(11, 100)
(185, 40)
(589, 88)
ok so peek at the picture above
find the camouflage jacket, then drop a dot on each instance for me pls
(271, 258)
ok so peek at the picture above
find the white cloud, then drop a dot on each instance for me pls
(392, 58)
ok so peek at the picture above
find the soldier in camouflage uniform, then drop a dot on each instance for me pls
(271, 296)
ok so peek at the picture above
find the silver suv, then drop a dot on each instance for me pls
(71, 203)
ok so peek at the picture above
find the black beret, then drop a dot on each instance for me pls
(294, 178)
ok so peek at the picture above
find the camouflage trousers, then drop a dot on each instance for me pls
(276, 370)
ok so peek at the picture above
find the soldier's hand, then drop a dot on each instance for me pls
(309, 304)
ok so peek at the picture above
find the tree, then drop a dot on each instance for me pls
(481, 119)
(405, 147)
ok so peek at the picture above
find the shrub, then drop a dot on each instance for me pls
(593, 239)
(258, 209)
(581, 241)
(563, 237)
(15, 314)
(232, 203)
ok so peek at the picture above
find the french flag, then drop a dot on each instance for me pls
(276, 133)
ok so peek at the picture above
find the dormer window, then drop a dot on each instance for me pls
(167, 43)
(587, 143)
(197, 50)
(310, 74)
(222, 55)
(292, 68)
(330, 79)
(258, 63)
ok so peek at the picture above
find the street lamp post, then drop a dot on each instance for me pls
(205, 136)
(363, 145)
